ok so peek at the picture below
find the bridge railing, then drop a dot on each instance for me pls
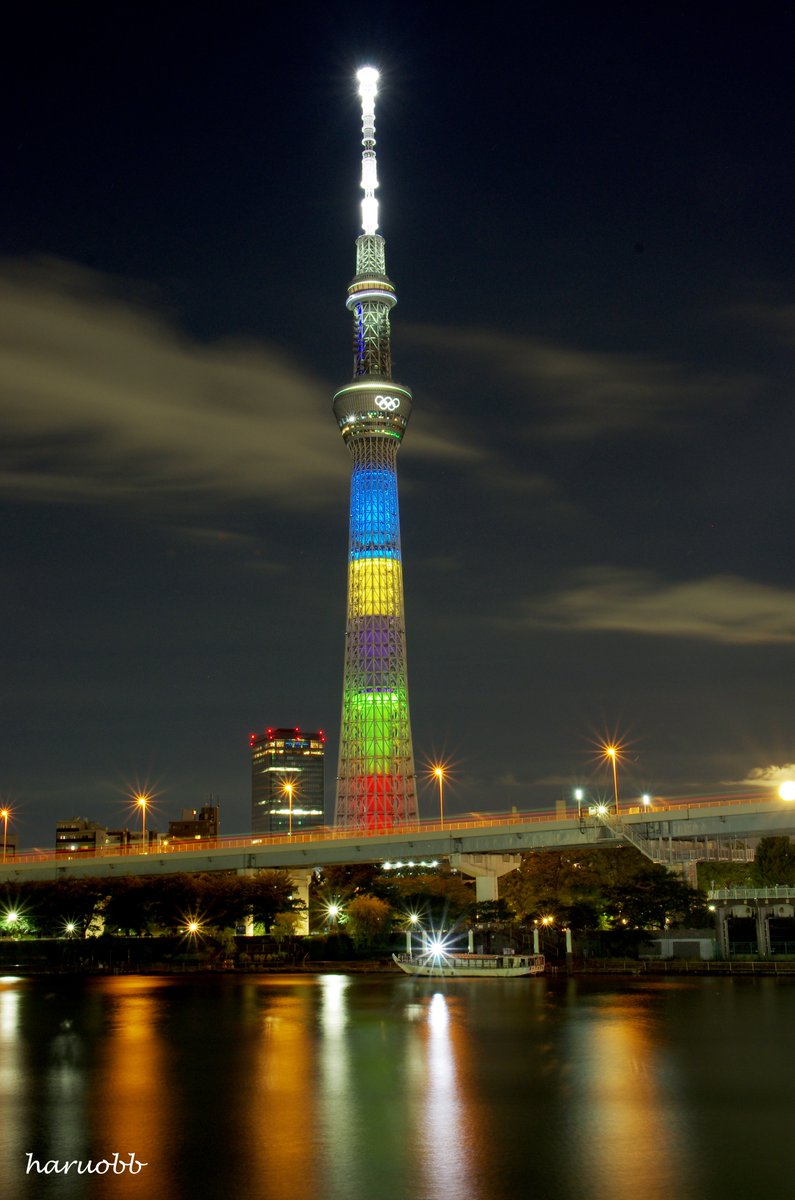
(662, 808)
(774, 891)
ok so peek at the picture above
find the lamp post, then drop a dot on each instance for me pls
(288, 791)
(439, 773)
(613, 753)
(579, 796)
(5, 813)
(142, 800)
(413, 921)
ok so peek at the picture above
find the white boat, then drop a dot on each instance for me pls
(463, 966)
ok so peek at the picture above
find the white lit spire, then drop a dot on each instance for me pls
(368, 87)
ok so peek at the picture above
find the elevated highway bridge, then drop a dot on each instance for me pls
(483, 845)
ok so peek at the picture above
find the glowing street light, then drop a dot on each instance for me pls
(288, 789)
(612, 753)
(5, 813)
(439, 772)
(646, 801)
(412, 923)
(142, 799)
(787, 790)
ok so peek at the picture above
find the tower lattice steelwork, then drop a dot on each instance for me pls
(376, 784)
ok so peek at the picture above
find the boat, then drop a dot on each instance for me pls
(470, 966)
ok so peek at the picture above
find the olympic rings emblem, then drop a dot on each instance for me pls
(387, 403)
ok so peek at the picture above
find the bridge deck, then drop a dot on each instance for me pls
(662, 827)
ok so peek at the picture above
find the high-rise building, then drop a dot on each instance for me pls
(287, 780)
(376, 787)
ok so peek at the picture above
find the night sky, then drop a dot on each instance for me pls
(589, 214)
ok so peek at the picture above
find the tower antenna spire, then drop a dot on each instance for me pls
(376, 784)
(368, 89)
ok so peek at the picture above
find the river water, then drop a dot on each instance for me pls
(386, 1088)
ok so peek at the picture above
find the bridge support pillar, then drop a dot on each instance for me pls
(722, 929)
(486, 869)
(763, 913)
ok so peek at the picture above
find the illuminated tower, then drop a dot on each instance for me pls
(375, 785)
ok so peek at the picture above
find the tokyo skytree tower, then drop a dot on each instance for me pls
(376, 785)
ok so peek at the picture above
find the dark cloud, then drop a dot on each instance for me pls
(722, 609)
(574, 394)
(103, 399)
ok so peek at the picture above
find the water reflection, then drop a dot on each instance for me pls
(280, 1087)
(445, 1146)
(130, 1107)
(336, 1092)
(623, 1123)
(363, 1088)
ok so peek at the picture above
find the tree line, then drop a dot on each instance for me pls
(144, 906)
(611, 888)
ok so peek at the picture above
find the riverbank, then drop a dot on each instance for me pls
(627, 968)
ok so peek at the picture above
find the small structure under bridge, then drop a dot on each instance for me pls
(755, 922)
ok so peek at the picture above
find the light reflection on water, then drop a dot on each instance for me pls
(382, 1088)
(622, 1118)
(445, 1148)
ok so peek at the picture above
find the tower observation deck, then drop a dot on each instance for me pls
(376, 787)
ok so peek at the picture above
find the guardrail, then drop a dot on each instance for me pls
(655, 812)
(775, 891)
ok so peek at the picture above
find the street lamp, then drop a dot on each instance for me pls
(288, 789)
(646, 800)
(5, 813)
(786, 792)
(613, 753)
(439, 773)
(412, 921)
(579, 796)
(142, 800)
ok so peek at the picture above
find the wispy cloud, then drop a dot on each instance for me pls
(574, 394)
(775, 319)
(721, 608)
(104, 399)
(773, 773)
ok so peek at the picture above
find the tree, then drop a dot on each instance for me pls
(565, 885)
(588, 888)
(775, 861)
(270, 893)
(55, 904)
(284, 926)
(440, 898)
(367, 919)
